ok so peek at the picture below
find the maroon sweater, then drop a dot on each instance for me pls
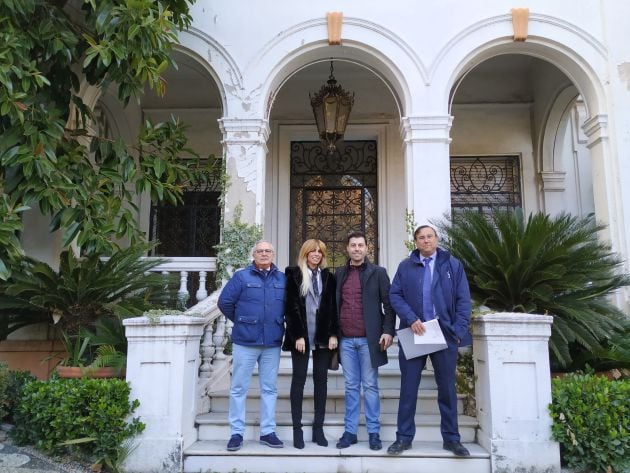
(351, 310)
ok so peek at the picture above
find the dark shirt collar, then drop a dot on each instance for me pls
(361, 267)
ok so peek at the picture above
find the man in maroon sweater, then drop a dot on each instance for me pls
(367, 323)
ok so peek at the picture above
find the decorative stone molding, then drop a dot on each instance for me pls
(426, 129)
(553, 181)
(334, 20)
(520, 20)
(513, 391)
(162, 369)
(596, 129)
(244, 140)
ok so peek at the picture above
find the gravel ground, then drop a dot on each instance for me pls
(64, 464)
(26, 459)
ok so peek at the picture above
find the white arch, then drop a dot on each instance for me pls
(580, 56)
(549, 129)
(215, 59)
(364, 43)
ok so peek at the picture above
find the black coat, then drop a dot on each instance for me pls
(327, 322)
(378, 315)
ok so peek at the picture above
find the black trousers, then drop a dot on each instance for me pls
(321, 360)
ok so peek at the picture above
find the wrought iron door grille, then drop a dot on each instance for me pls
(332, 195)
(483, 183)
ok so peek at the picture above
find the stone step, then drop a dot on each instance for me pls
(427, 401)
(215, 426)
(387, 378)
(427, 457)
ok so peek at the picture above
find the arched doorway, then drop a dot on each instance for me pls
(325, 196)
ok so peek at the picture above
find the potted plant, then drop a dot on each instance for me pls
(546, 265)
(81, 296)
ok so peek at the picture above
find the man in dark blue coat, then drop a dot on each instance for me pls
(253, 299)
(431, 284)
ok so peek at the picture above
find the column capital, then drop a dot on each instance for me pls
(553, 181)
(426, 129)
(596, 129)
(244, 131)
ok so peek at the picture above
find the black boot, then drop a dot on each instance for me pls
(318, 436)
(321, 359)
(298, 438)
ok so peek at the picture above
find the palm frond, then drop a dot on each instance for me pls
(542, 264)
(81, 291)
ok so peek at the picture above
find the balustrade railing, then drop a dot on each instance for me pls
(214, 369)
(184, 266)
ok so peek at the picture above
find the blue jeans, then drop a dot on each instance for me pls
(244, 359)
(358, 372)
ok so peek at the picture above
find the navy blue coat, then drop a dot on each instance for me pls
(450, 291)
(255, 304)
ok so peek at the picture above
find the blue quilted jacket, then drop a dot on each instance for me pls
(255, 303)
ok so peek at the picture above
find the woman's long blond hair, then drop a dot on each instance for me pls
(308, 246)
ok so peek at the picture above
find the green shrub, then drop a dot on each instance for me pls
(11, 386)
(465, 382)
(591, 420)
(4, 385)
(84, 416)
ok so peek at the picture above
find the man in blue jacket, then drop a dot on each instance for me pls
(431, 284)
(253, 299)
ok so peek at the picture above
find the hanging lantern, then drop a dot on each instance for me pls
(331, 107)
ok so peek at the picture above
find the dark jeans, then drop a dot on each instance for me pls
(321, 360)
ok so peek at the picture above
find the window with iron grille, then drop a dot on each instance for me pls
(191, 228)
(484, 183)
(188, 229)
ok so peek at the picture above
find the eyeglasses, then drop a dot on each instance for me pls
(260, 252)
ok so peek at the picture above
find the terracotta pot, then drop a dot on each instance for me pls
(87, 372)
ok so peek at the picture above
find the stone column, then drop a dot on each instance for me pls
(245, 145)
(162, 368)
(513, 391)
(427, 166)
(607, 193)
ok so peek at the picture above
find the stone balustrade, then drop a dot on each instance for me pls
(184, 266)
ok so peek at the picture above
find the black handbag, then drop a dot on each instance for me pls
(334, 360)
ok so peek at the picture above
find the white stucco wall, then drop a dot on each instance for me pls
(409, 56)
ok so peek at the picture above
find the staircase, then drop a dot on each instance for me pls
(209, 453)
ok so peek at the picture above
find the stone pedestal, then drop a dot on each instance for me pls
(162, 367)
(513, 391)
